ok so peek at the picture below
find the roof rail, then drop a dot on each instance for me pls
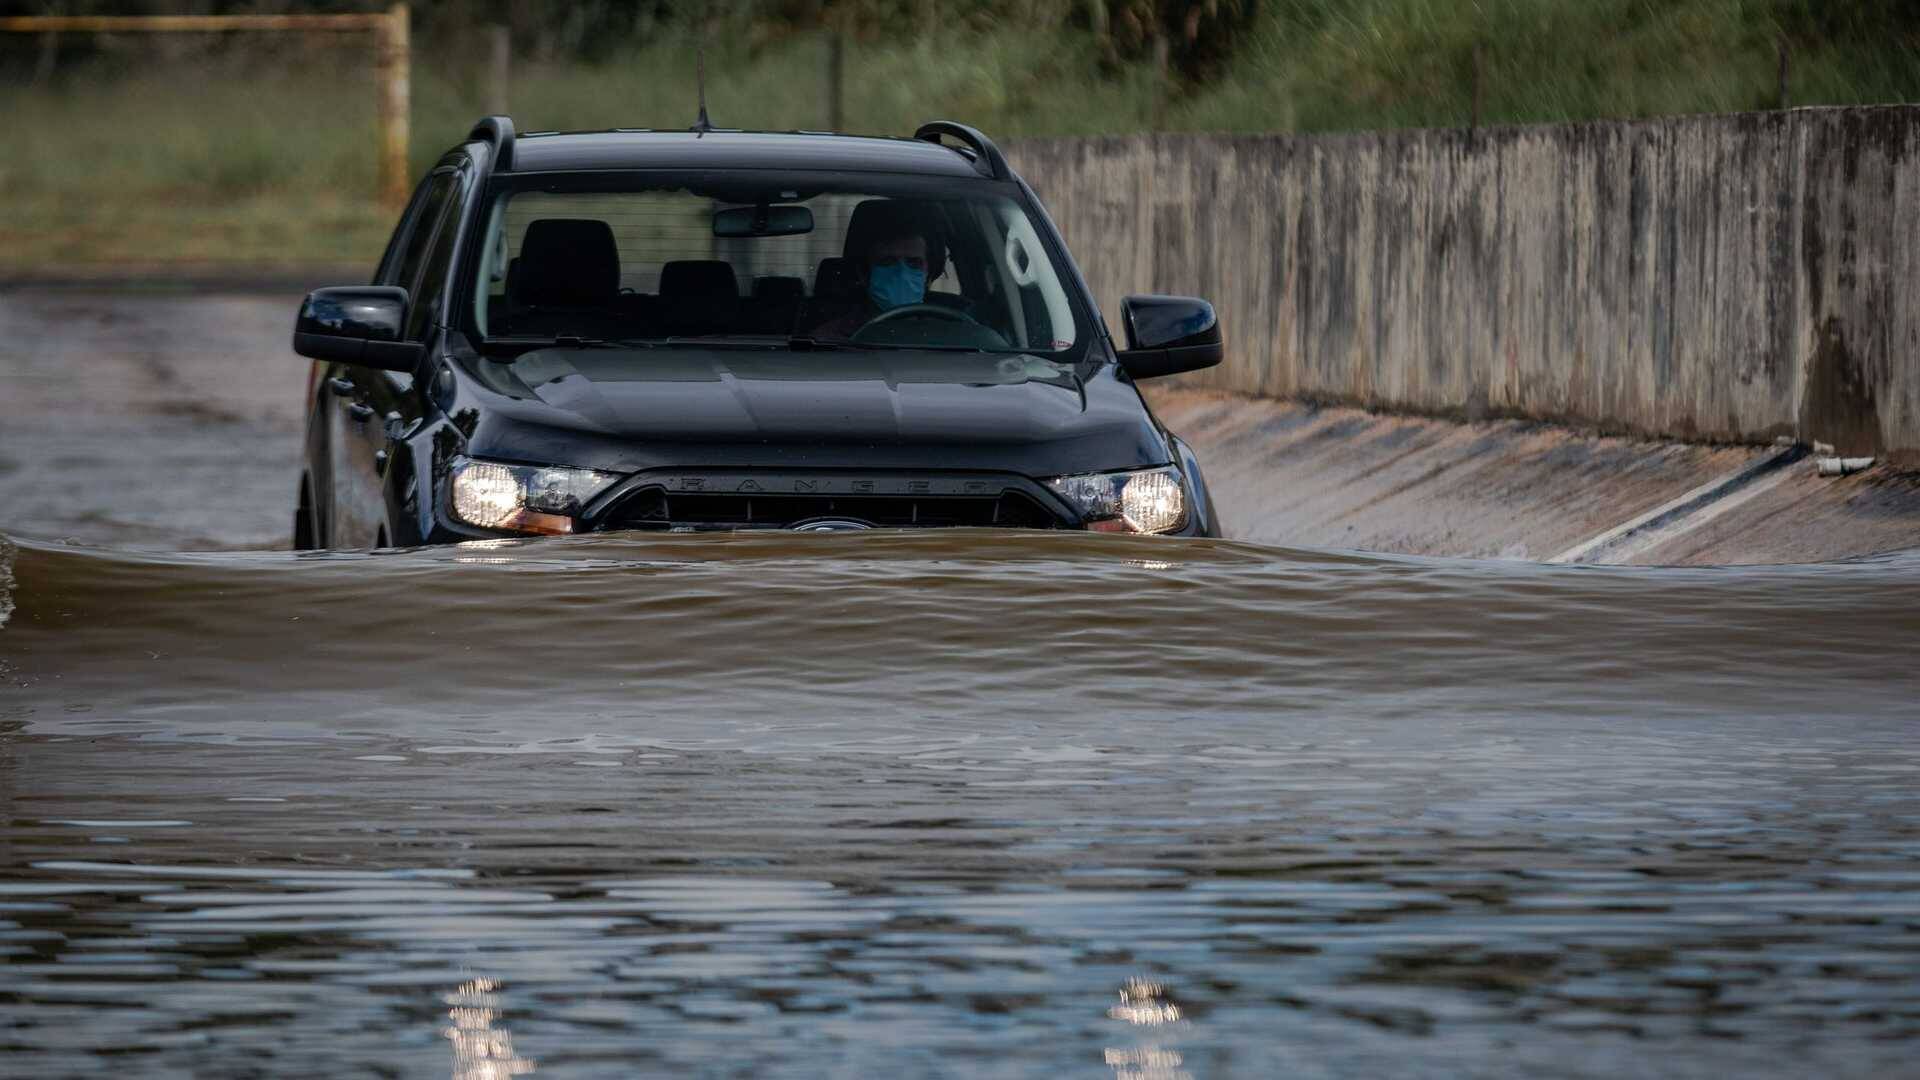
(986, 156)
(496, 131)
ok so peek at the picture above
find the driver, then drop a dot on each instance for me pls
(891, 272)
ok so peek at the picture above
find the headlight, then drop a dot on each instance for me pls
(524, 498)
(1149, 501)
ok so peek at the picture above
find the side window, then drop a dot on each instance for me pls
(428, 289)
(396, 243)
(413, 247)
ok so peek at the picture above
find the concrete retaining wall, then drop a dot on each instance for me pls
(1710, 277)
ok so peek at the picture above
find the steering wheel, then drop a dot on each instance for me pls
(966, 330)
(908, 311)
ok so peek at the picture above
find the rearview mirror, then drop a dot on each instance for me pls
(357, 324)
(1167, 335)
(762, 220)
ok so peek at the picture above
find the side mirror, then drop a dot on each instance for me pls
(357, 324)
(1167, 335)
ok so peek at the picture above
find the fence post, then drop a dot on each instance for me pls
(836, 80)
(394, 62)
(1479, 84)
(1162, 78)
(500, 70)
(49, 55)
(1784, 102)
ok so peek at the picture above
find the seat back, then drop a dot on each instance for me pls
(699, 296)
(565, 263)
(778, 290)
(566, 280)
(834, 280)
(776, 304)
(699, 278)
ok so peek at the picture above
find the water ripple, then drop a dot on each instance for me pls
(911, 805)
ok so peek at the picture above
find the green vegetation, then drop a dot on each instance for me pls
(254, 151)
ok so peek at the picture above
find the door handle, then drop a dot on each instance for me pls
(340, 385)
(359, 411)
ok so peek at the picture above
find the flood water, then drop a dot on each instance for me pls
(963, 804)
(969, 804)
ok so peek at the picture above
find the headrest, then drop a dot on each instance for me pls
(778, 290)
(834, 278)
(877, 219)
(698, 277)
(565, 262)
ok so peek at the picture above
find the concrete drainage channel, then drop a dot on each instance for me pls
(1296, 474)
(1689, 511)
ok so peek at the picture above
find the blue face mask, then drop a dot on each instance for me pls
(892, 284)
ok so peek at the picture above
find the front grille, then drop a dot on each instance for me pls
(657, 508)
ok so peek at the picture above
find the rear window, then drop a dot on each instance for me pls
(662, 265)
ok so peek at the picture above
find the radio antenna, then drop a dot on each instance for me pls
(702, 125)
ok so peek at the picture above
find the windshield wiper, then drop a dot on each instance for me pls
(719, 341)
(575, 341)
(904, 346)
(802, 343)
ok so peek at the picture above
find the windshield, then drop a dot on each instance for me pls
(783, 268)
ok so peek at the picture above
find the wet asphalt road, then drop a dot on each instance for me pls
(149, 420)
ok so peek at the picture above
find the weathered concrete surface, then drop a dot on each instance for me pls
(1332, 476)
(1804, 518)
(1721, 278)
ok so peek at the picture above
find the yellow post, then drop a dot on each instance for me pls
(396, 76)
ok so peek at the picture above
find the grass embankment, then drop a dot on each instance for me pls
(264, 153)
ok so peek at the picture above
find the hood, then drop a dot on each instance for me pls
(886, 408)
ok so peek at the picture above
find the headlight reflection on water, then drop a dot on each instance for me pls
(481, 1050)
(1144, 1003)
(483, 545)
(1147, 1063)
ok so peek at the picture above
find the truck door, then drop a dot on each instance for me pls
(371, 406)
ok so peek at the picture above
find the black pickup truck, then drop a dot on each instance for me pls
(710, 329)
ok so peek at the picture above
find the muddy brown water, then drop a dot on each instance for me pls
(969, 804)
(965, 804)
